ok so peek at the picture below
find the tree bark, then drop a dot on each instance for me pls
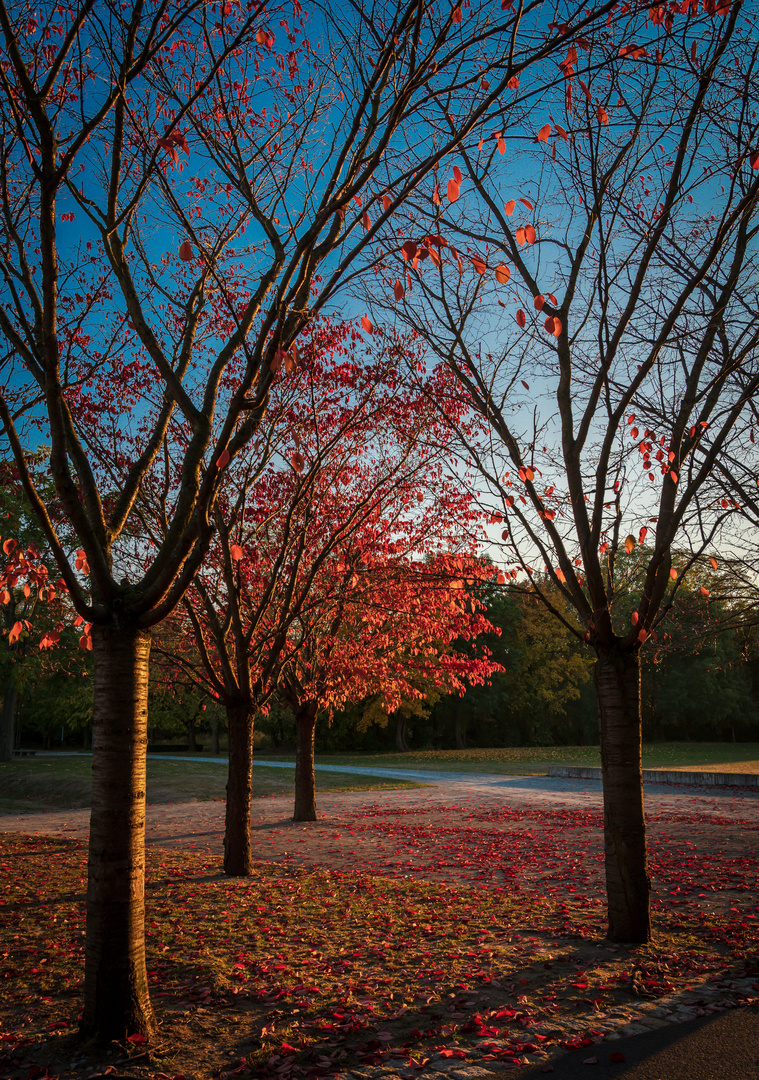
(116, 999)
(7, 719)
(215, 734)
(459, 729)
(305, 777)
(238, 855)
(400, 734)
(628, 885)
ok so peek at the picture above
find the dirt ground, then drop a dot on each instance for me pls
(540, 983)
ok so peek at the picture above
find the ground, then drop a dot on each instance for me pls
(455, 927)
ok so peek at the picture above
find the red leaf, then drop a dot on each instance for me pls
(502, 273)
(235, 552)
(754, 160)
(715, 564)
(298, 462)
(603, 116)
(387, 202)
(539, 302)
(544, 132)
(704, 592)
(615, 1055)
(521, 318)
(634, 617)
(398, 290)
(366, 322)
(520, 235)
(478, 264)
(452, 191)
(509, 207)
(137, 1038)
(222, 459)
(513, 83)
(457, 174)
(9, 545)
(530, 235)
(185, 251)
(409, 250)
(457, 15)
(527, 203)
(673, 573)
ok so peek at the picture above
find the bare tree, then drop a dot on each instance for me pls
(596, 298)
(182, 186)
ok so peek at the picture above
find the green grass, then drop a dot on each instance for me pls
(535, 759)
(32, 785)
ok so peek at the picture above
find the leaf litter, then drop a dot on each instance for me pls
(461, 934)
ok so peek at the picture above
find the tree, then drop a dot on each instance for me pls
(628, 237)
(386, 631)
(353, 488)
(147, 305)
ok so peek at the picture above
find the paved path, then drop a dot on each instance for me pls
(721, 1047)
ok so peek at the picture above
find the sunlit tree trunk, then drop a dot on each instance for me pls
(628, 885)
(238, 856)
(116, 1000)
(305, 776)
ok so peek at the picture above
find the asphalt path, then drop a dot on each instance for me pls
(720, 1047)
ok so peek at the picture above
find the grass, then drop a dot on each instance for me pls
(535, 759)
(32, 785)
(36, 785)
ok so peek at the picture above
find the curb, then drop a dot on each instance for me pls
(664, 776)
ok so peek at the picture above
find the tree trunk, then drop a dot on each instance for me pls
(400, 734)
(192, 745)
(628, 886)
(215, 734)
(7, 718)
(238, 855)
(459, 729)
(305, 777)
(116, 999)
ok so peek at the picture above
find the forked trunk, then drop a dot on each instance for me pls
(116, 999)
(238, 856)
(7, 720)
(305, 777)
(628, 886)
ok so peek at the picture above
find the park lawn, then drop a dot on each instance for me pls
(297, 972)
(35, 785)
(730, 757)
